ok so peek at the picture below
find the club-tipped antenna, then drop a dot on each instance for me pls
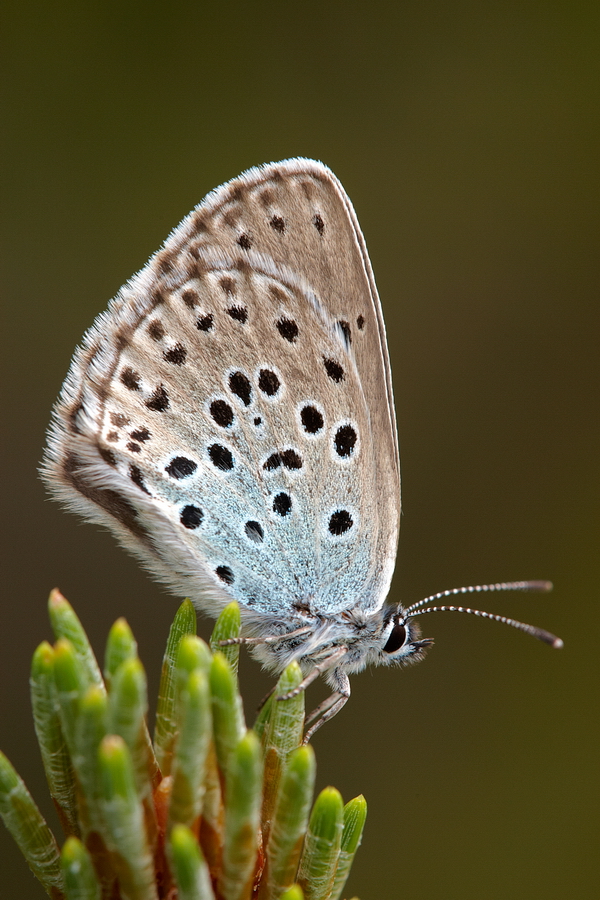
(540, 633)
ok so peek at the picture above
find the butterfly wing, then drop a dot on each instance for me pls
(230, 417)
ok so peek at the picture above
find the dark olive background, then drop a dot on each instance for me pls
(466, 134)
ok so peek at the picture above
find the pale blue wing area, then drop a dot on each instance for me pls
(230, 417)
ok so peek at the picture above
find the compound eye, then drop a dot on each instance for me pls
(397, 638)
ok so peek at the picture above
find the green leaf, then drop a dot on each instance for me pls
(123, 818)
(293, 893)
(355, 814)
(192, 653)
(227, 627)
(213, 814)
(120, 646)
(55, 754)
(322, 846)
(90, 729)
(78, 872)
(127, 708)
(29, 829)
(72, 681)
(191, 750)
(165, 728)
(107, 785)
(263, 717)
(189, 868)
(128, 703)
(228, 717)
(242, 818)
(66, 624)
(282, 736)
(289, 823)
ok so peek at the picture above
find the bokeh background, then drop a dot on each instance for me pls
(467, 135)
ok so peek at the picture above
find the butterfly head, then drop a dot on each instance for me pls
(386, 637)
(391, 636)
(400, 642)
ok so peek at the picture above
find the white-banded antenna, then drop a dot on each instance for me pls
(540, 633)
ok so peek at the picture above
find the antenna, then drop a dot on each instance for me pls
(539, 633)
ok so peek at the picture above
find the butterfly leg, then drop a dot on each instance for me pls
(265, 698)
(330, 707)
(325, 664)
(270, 639)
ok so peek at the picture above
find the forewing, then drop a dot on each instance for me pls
(230, 417)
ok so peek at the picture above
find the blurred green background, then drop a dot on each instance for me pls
(467, 136)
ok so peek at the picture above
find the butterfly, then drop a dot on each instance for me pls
(230, 418)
